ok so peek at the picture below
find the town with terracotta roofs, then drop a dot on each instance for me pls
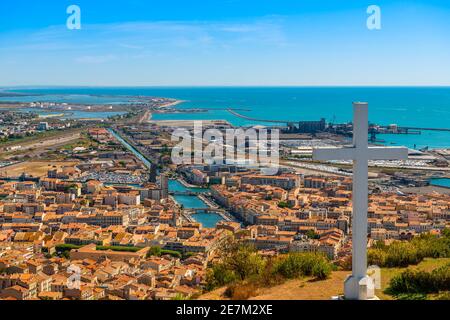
(110, 217)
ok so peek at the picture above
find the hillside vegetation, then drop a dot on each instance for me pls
(418, 269)
(243, 270)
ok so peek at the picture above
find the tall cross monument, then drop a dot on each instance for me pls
(359, 286)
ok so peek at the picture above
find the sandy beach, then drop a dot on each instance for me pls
(172, 104)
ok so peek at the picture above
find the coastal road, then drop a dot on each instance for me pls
(145, 117)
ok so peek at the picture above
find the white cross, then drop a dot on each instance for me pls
(360, 153)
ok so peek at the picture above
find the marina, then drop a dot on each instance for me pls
(187, 201)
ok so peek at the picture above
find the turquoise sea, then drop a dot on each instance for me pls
(405, 106)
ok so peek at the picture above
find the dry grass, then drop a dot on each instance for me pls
(299, 289)
(33, 168)
(307, 289)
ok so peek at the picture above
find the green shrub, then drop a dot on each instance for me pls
(218, 276)
(244, 261)
(66, 247)
(296, 265)
(432, 246)
(322, 270)
(179, 296)
(376, 257)
(244, 270)
(420, 282)
(283, 204)
(403, 253)
(118, 248)
(239, 262)
(312, 235)
(172, 253)
(154, 251)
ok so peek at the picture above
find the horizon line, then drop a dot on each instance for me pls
(3, 87)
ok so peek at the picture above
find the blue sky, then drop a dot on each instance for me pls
(224, 42)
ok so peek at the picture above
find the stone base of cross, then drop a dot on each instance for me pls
(360, 286)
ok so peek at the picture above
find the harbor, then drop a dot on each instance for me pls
(182, 194)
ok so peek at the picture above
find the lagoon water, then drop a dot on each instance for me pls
(405, 106)
(67, 98)
(75, 114)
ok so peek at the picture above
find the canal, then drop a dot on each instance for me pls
(208, 220)
(441, 182)
(147, 163)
